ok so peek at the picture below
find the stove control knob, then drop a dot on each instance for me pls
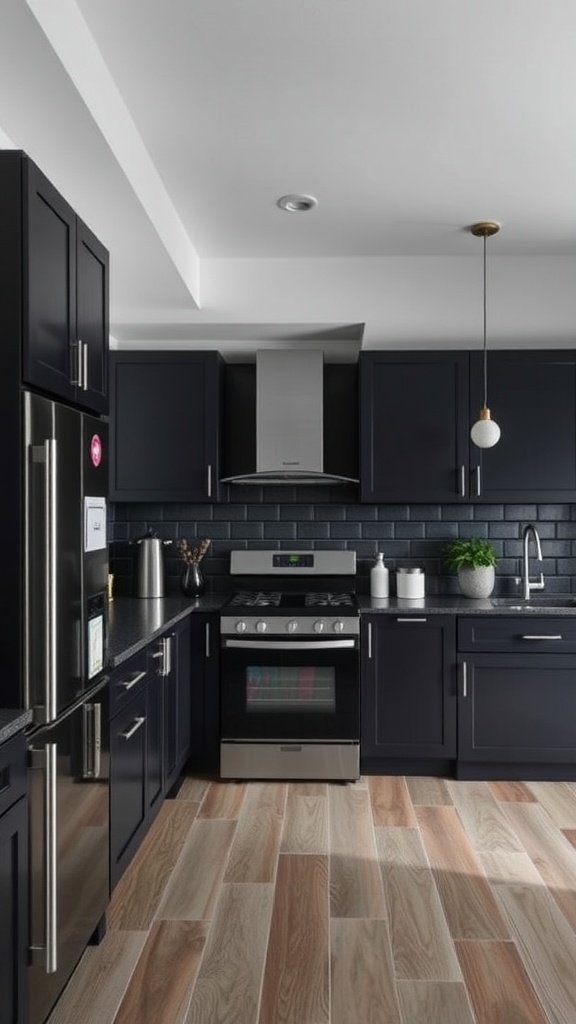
(319, 626)
(339, 626)
(261, 626)
(292, 626)
(241, 626)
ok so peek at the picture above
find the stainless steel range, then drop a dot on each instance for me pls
(290, 705)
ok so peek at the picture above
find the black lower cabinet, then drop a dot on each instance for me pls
(517, 710)
(128, 775)
(14, 917)
(408, 692)
(177, 689)
(205, 717)
(150, 738)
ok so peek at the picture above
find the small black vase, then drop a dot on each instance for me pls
(192, 581)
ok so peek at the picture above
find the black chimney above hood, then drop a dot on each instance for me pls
(291, 420)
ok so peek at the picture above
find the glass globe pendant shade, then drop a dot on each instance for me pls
(485, 433)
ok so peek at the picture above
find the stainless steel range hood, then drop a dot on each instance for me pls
(289, 420)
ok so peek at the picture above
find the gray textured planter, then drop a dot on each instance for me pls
(477, 582)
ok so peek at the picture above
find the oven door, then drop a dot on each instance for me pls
(290, 689)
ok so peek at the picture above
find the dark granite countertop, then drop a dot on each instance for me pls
(13, 720)
(439, 605)
(134, 622)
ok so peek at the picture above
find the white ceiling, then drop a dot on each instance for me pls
(174, 127)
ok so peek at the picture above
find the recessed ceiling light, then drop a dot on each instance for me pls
(297, 203)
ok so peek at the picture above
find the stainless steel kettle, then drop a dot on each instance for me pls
(150, 565)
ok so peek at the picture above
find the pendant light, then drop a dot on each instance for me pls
(485, 433)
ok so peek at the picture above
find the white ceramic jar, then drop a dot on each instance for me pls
(409, 582)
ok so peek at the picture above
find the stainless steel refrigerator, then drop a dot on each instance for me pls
(65, 686)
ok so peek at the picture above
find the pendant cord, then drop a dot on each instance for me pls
(485, 350)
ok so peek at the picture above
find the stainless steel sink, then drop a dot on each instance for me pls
(515, 605)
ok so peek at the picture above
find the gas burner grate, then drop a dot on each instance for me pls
(327, 600)
(257, 599)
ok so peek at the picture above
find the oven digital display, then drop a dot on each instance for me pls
(293, 561)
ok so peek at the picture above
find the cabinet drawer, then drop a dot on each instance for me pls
(526, 633)
(12, 771)
(128, 680)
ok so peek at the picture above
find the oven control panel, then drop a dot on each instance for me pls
(283, 625)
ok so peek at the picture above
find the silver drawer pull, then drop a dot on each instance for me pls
(138, 723)
(411, 620)
(129, 683)
(529, 636)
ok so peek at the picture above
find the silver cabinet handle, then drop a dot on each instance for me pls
(287, 645)
(535, 636)
(370, 640)
(84, 349)
(169, 640)
(462, 481)
(209, 481)
(478, 480)
(207, 639)
(464, 679)
(161, 654)
(412, 619)
(129, 683)
(138, 723)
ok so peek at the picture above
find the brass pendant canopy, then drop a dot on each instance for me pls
(485, 228)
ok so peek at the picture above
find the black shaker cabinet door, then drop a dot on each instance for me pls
(532, 397)
(14, 919)
(408, 686)
(517, 708)
(50, 355)
(128, 806)
(165, 426)
(413, 426)
(92, 319)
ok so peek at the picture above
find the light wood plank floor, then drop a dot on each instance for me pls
(391, 901)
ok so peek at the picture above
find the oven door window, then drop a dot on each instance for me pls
(289, 694)
(284, 689)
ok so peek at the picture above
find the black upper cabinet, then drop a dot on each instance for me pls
(50, 352)
(65, 297)
(92, 316)
(532, 397)
(165, 437)
(417, 409)
(414, 426)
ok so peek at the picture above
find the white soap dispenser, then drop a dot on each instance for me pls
(379, 578)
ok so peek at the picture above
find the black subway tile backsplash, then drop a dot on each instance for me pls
(323, 518)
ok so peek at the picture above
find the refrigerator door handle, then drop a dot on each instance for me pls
(48, 455)
(92, 722)
(47, 955)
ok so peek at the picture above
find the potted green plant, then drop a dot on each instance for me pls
(474, 560)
